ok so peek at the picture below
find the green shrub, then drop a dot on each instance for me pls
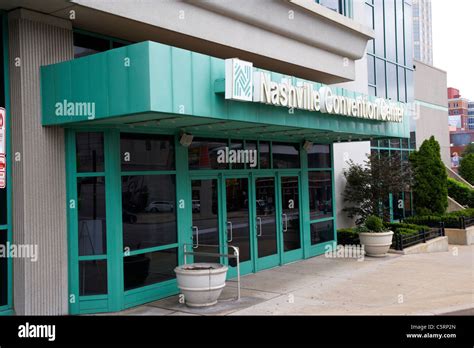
(396, 227)
(460, 192)
(466, 168)
(405, 232)
(374, 224)
(430, 189)
(348, 236)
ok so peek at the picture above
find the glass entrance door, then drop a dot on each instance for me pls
(266, 223)
(205, 218)
(237, 206)
(290, 217)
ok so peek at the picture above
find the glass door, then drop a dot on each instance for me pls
(266, 223)
(290, 218)
(205, 218)
(237, 207)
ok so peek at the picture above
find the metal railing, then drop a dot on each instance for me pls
(465, 222)
(401, 242)
(235, 255)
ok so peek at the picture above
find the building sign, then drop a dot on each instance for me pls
(3, 149)
(304, 96)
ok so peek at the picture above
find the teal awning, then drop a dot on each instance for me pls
(152, 84)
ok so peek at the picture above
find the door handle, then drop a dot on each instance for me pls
(229, 223)
(196, 229)
(285, 225)
(259, 219)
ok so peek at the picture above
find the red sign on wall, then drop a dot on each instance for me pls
(3, 149)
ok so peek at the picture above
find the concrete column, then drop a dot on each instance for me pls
(39, 184)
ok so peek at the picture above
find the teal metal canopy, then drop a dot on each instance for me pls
(155, 85)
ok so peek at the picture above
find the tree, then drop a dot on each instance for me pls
(466, 168)
(369, 185)
(430, 187)
(468, 150)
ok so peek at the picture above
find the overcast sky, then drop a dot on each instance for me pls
(453, 44)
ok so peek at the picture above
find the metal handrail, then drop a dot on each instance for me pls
(235, 255)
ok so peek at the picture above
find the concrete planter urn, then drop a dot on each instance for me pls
(376, 244)
(201, 283)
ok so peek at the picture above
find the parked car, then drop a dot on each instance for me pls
(159, 206)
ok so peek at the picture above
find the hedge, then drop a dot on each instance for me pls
(450, 220)
(461, 193)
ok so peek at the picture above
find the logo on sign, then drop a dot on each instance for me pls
(240, 85)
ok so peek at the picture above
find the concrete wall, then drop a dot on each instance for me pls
(432, 103)
(38, 185)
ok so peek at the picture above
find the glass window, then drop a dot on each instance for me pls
(147, 152)
(320, 195)
(392, 82)
(319, 156)
(85, 45)
(331, 4)
(400, 33)
(395, 143)
(204, 154)
(379, 27)
(92, 277)
(410, 86)
(384, 143)
(251, 146)
(264, 151)
(237, 146)
(322, 232)
(148, 211)
(371, 69)
(149, 268)
(374, 143)
(405, 143)
(402, 95)
(380, 75)
(390, 40)
(91, 214)
(89, 152)
(285, 155)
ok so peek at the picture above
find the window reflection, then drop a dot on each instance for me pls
(285, 155)
(322, 232)
(148, 211)
(147, 152)
(320, 195)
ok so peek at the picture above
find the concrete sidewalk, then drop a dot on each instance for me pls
(422, 284)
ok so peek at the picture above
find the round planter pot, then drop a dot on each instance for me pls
(376, 244)
(201, 283)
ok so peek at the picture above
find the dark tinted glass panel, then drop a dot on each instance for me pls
(407, 204)
(405, 143)
(147, 152)
(397, 204)
(85, 45)
(93, 277)
(3, 272)
(149, 268)
(319, 156)
(116, 44)
(320, 195)
(90, 152)
(285, 155)
(237, 224)
(148, 211)
(3, 207)
(91, 212)
(374, 143)
(252, 146)
(322, 232)
(205, 218)
(395, 143)
(290, 213)
(264, 155)
(237, 158)
(204, 154)
(384, 143)
(266, 216)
